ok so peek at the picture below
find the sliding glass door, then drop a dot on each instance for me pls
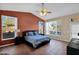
(75, 30)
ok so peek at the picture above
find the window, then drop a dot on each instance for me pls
(9, 25)
(53, 28)
(41, 27)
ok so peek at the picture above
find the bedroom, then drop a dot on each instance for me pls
(55, 25)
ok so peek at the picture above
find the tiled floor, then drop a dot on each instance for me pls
(55, 47)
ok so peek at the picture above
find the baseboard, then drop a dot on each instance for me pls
(62, 40)
(6, 45)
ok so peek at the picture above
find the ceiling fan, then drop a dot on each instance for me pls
(44, 11)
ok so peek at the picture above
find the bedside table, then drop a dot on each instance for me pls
(18, 40)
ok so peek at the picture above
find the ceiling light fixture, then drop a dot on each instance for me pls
(43, 11)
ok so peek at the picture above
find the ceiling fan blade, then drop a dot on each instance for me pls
(36, 11)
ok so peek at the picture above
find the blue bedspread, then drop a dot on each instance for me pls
(36, 39)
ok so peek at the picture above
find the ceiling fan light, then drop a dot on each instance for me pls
(43, 12)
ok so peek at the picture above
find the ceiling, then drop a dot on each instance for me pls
(57, 9)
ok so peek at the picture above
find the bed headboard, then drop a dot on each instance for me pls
(24, 32)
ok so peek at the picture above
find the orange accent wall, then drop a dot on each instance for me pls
(26, 21)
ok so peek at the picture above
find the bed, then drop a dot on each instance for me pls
(34, 38)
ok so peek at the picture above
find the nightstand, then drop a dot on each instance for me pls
(18, 40)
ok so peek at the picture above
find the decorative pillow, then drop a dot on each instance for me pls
(30, 34)
(26, 34)
(36, 33)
